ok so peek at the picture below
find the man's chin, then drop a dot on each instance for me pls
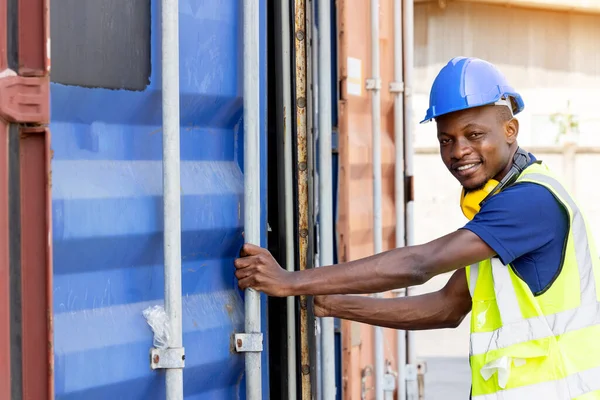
(473, 186)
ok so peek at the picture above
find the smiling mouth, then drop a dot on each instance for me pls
(465, 170)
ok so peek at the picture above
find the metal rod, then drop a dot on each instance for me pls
(377, 217)
(408, 44)
(252, 183)
(399, 179)
(325, 188)
(314, 70)
(171, 187)
(289, 193)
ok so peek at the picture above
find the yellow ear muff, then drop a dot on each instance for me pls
(469, 201)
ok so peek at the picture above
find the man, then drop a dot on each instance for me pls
(525, 264)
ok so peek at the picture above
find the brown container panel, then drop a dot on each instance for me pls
(34, 38)
(36, 264)
(5, 351)
(26, 351)
(3, 24)
(355, 219)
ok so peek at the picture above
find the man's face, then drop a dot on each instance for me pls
(475, 144)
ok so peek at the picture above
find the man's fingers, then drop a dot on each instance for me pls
(244, 273)
(248, 261)
(246, 283)
(249, 249)
(240, 263)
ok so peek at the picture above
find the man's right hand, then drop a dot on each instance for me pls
(257, 269)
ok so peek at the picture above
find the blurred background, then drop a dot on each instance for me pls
(549, 51)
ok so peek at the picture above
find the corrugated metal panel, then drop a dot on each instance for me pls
(107, 211)
(355, 218)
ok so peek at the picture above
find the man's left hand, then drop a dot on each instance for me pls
(257, 269)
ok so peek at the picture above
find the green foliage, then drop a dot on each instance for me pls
(567, 122)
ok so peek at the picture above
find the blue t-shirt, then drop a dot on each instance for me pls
(527, 227)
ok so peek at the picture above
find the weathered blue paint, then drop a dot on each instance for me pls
(107, 218)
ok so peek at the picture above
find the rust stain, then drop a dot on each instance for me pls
(300, 24)
(229, 309)
(155, 131)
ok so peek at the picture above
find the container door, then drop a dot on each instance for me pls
(107, 195)
(25, 227)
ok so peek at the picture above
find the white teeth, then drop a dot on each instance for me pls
(466, 167)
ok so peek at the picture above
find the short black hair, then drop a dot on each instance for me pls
(503, 114)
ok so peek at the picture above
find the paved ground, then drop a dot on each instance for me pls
(447, 378)
(446, 353)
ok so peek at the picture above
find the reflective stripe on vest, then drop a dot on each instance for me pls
(517, 329)
(474, 273)
(571, 387)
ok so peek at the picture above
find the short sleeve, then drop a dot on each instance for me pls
(520, 220)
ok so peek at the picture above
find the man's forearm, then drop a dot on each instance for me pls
(429, 311)
(397, 268)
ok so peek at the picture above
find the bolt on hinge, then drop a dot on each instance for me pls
(373, 84)
(170, 358)
(248, 342)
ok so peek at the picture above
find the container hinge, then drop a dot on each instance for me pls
(396, 87)
(373, 84)
(24, 100)
(170, 358)
(248, 342)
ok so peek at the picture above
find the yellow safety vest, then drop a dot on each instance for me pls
(545, 347)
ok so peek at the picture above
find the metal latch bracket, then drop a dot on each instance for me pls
(396, 87)
(373, 84)
(24, 99)
(248, 342)
(170, 358)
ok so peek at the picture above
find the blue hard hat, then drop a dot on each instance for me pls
(467, 82)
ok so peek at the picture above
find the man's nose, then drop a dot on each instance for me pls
(461, 148)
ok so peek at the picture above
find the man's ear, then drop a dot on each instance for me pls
(511, 129)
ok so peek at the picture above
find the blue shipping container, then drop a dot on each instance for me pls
(107, 195)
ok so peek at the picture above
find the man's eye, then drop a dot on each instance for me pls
(444, 141)
(475, 135)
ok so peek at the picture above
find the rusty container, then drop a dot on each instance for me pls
(355, 217)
